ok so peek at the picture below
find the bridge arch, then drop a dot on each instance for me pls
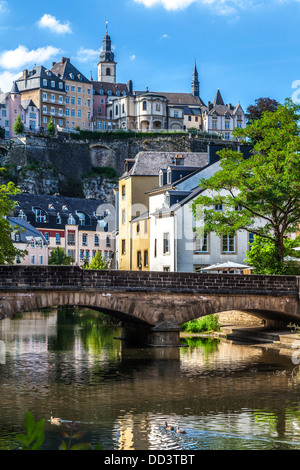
(155, 301)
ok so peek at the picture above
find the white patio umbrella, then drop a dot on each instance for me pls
(297, 248)
(228, 266)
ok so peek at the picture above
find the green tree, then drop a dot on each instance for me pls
(58, 257)
(262, 257)
(97, 262)
(8, 251)
(51, 127)
(19, 127)
(266, 186)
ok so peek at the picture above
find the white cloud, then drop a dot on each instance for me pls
(222, 7)
(22, 56)
(167, 4)
(50, 22)
(6, 80)
(165, 36)
(3, 6)
(86, 55)
(133, 57)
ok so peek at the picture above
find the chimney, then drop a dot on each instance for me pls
(179, 160)
(25, 76)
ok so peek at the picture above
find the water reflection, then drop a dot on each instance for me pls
(225, 396)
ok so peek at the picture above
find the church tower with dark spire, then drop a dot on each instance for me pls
(195, 82)
(107, 67)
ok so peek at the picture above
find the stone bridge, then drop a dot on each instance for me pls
(150, 305)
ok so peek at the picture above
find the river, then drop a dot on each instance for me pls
(225, 396)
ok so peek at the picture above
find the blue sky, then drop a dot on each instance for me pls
(246, 48)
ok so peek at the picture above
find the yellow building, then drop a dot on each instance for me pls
(133, 221)
(79, 95)
(140, 242)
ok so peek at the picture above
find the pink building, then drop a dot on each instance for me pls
(28, 238)
(11, 106)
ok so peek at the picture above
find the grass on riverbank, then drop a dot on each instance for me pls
(205, 324)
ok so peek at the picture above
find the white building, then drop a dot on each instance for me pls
(177, 241)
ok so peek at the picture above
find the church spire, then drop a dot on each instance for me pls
(107, 65)
(195, 82)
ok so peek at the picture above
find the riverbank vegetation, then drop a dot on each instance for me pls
(207, 324)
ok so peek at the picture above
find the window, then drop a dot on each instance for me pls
(84, 239)
(71, 238)
(40, 215)
(52, 110)
(46, 235)
(32, 259)
(96, 240)
(72, 88)
(79, 89)
(166, 269)
(123, 247)
(67, 111)
(57, 238)
(251, 240)
(44, 96)
(79, 113)
(58, 219)
(228, 244)
(60, 99)
(52, 84)
(146, 258)
(139, 259)
(71, 220)
(41, 260)
(201, 243)
(218, 207)
(108, 71)
(107, 241)
(81, 255)
(67, 87)
(123, 192)
(45, 83)
(166, 243)
(52, 97)
(157, 106)
(72, 99)
(79, 101)
(144, 105)
(138, 228)
(61, 85)
(155, 248)
(123, 216)
(214, 124)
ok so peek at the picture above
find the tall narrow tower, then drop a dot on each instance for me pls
(107, 67)
(195, 82)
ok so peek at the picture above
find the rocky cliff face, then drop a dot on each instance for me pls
(42, 165)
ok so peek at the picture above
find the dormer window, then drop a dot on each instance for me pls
(40, 215)
(58, 219)
(71, 220)
(169, 176)
(22, 215)
(161, 178)
(101, 91)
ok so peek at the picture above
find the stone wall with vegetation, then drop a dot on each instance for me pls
(83, 166)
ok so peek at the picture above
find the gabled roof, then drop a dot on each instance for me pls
(218, 99)
(26, 229)
(149, 163)
(67, 71)
(106, 86)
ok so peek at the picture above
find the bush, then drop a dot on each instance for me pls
(204, 324)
